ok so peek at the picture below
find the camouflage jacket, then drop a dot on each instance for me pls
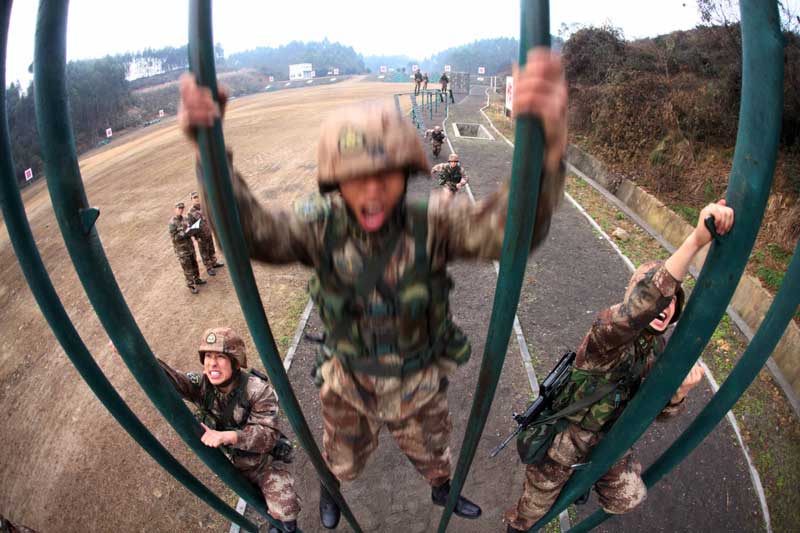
(449, 176)
(437, 137)
(181, 241)
(257, 425)
(195, 214)
(618, 347)
(456, 230)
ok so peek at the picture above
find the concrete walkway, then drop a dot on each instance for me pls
(575, 274)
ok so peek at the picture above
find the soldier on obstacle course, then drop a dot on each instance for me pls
(620, 349)
(452, 176)
(204, 237)
(181, 237)
(437, 137)
(417, 80)
(425, 81)
(238, 411)
(445, 81)
(381, 282)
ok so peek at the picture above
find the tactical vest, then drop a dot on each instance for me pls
(628, 375)
(412, 320)
(450, 177)
(438, 137)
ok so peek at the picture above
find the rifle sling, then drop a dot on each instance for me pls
(598, 394)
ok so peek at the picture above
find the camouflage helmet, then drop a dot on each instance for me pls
(649, 269)
(223, 340)
(363, 140)
(453, 157)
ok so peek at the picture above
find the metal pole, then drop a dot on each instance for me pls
(748, 190)
(523, 198)
(216, 178)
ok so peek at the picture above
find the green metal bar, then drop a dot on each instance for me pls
(217, 182)
(523, 199)
(42, 288)
(740, 378)
(84, 247)
(748, 190)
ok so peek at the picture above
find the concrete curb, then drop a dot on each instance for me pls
(751, 300)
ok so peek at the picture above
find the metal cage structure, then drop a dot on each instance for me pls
(748, 189)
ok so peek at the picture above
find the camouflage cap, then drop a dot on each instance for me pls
(364, 140)
(453, 157)
(223, 340)
(180, 204)
(194, 194)
(648, 269)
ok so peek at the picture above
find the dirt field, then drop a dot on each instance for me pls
(66, 464)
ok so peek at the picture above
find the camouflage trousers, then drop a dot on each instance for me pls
(207, 251)
(436, 147)
(350, 436)
(619, 490)
(190, 271)
(277, 486)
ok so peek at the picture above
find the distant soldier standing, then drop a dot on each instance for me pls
(452, 176)
(205, 240)
(184, 248)
(425, 81)
(445, 81)
(417, 81)
(437, 137)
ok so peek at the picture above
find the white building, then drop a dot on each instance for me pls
(301, 71)
(143, 67)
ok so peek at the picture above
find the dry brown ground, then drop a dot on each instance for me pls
(66, 464)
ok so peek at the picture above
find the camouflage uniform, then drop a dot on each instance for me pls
(390, 341)
(417, 81)
(449, 177)
(184, 249)
(617, 347)
(256, 420)
(424, 82)
(437, 139)
(445, 81)
(205, 239)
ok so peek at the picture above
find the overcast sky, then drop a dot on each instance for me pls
(415, 28)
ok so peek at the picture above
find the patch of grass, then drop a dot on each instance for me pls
(778, 253)
(771, 278)
(688, 213)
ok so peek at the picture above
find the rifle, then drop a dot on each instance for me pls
(548, 390)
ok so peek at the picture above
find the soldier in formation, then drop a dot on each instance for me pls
(381, 283)
(437, 137)
(620, 348)
(452, 176)
(203, 236)
(181, 237)
(238, 412)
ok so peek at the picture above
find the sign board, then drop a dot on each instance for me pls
(481, 70)
(383, 69)
(272, 79)
(108, 133)
(414, 68)
(509, 94)
(28, 174)
(336, 72)
(447, 68)
(161, 113)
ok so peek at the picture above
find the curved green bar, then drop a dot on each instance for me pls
(745, 371)
(523, 199)
(748, 190)
(217, 182)
(70, 203)
(35, 273)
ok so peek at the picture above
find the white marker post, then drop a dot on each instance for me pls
(28, 174)
(160, 113)
(109, 133)
(335, 71)
(272, 79)
(383, 69)
(481, 70)
(447, 68)
(414, 68)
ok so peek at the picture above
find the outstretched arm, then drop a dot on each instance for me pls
(678, 263)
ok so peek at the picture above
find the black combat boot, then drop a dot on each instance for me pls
(193, 289)
(329, 513)
(464, 507)
(200, 281)
(219, 264)
(286, 527)
(211, 272)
